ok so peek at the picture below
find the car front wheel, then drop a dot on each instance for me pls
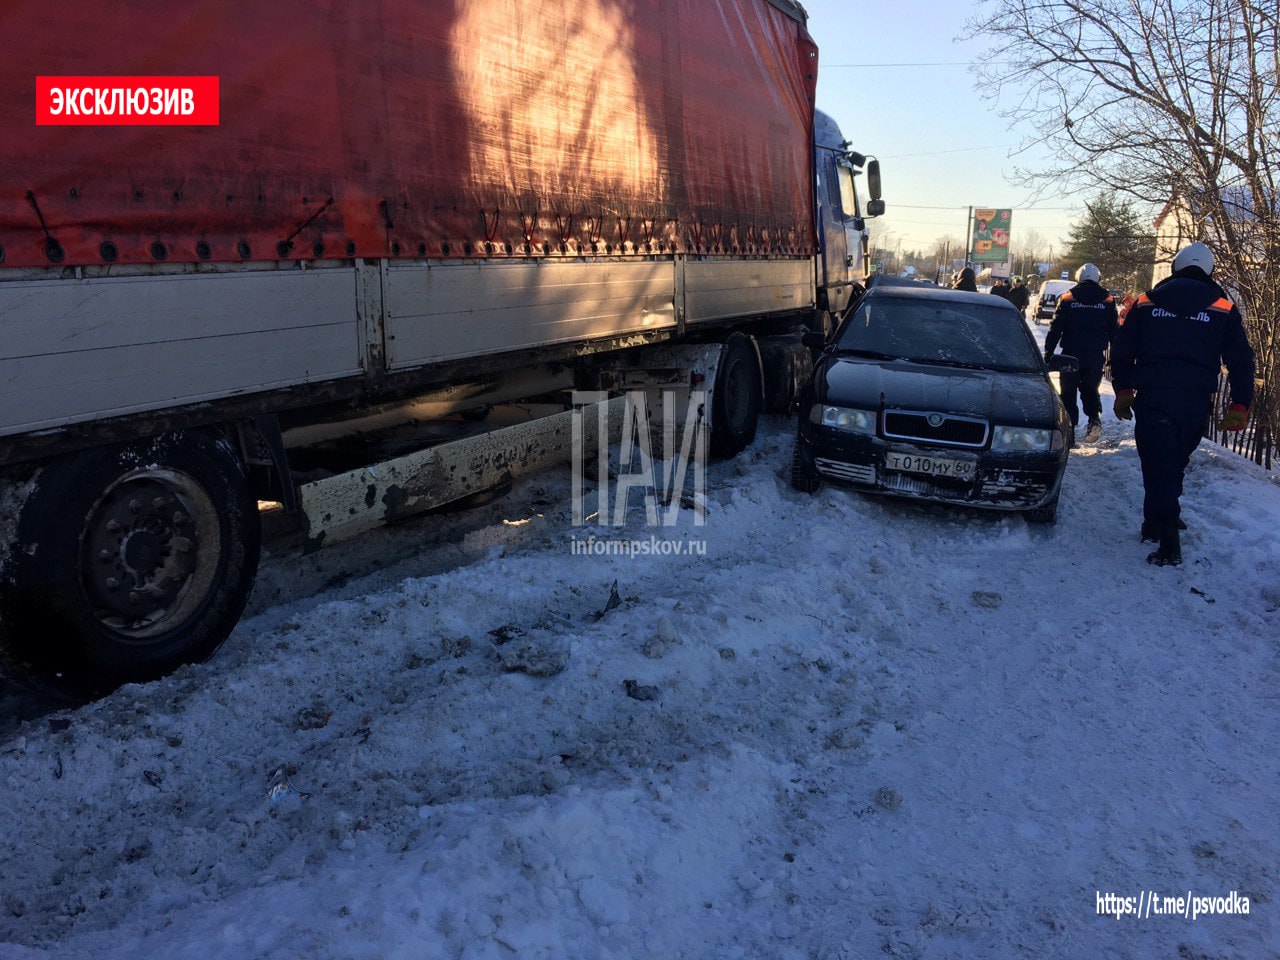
(1046, 514)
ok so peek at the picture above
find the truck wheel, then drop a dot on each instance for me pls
(130, 560)
(735, 407)
(787, 363)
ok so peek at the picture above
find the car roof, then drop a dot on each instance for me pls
(920, 292)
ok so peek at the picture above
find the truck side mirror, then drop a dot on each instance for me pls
(875, 208)
(873, 181)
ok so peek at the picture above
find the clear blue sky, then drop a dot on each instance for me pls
(908, 116)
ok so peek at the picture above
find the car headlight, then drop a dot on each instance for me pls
(843, 418)
(1025, 440)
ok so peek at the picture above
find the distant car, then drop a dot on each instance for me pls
(1047, 300)
(935, 394)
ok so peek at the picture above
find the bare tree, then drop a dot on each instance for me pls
(1166, 102)
(1028, 248)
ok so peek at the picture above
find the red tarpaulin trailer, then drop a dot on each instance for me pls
(413, 129)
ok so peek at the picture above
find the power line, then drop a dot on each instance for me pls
(935, 153)
(877, 66)
(962, 206)
(918, 63)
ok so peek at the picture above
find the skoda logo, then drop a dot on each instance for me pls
(935, 420)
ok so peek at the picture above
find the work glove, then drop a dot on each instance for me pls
(1236, 417)
(1124, 405)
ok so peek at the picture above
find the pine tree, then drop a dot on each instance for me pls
(1113, 236)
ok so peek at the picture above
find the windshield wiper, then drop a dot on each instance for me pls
(859, 352)
(950, 363)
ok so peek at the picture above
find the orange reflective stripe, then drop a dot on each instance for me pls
(1066, 296)
(1110, 299)
(1141, 300)
(1222, 303)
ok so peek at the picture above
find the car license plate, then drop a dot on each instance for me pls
(932, 466)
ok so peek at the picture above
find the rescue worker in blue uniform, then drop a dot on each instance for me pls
(1165, 366)
(1085, 323)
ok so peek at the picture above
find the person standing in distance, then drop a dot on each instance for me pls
(1019, 296)
(966, 281)
(1165, 366)
(1085, 323)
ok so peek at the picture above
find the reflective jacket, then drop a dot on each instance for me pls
(1085, 323)
(1177, 336)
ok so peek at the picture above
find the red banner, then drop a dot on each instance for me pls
(127, 101)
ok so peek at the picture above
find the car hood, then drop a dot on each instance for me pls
(1016, 399)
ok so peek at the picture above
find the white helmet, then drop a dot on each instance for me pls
(1194, 255)
(1088, 272)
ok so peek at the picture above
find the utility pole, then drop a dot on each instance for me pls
(968, 236)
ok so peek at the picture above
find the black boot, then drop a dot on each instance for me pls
(1169, 553)
(1151, 532)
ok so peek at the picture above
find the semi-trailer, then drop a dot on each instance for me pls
(244, 252)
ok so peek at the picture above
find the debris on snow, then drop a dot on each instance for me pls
(280, 790)
(538, 657)
(613, 602)
(888, 798)
(640, 691)
(988, 599)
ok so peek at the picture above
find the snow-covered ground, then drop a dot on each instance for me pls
(855, 728)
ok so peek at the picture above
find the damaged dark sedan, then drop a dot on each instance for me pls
(935, 394)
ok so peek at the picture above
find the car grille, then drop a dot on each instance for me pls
(920, 487)
(856, 472)
(952, 431)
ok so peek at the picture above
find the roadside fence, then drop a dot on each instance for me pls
(1257, 440)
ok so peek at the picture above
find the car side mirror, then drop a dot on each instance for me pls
(814, 339)
(1061, 363)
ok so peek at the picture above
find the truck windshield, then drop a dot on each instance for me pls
(951, 333)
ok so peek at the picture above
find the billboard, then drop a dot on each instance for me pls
(989, 242)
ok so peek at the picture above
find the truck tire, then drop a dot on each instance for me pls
(129, 561)
(787, 363)
(735, 405)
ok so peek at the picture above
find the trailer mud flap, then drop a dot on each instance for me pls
(351, 503)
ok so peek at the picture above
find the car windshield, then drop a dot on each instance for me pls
(947, 332)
